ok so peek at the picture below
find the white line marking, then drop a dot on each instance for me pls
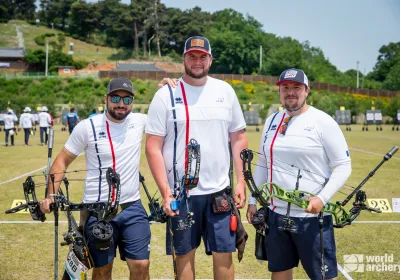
(244, 222)
(371, 153)
(23, 175)
(345, 274)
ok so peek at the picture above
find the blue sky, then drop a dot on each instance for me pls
(347, 31)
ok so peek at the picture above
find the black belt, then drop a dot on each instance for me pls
(121, 207)
(125, 205)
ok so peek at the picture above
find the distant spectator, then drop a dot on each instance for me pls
(44, 123)
(9, 120)
(26, 121)
(94, 113)
(72, 119)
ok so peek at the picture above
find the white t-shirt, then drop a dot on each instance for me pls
(214, 111)
(313, 141)
(9, 121)
(109, 144)
(44, 119)
(26, 120)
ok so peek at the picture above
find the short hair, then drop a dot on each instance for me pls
(72, 109)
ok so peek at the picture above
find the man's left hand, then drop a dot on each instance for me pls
(315, 206)
(240, 196)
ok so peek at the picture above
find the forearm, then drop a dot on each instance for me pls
(157, 168)
(60, 164)
(339, 176)
(239, 142)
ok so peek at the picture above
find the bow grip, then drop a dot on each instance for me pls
(175, 205)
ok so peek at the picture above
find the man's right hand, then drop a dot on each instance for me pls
(167, 206)
(45, 205)
(171, 82)
(251, 210)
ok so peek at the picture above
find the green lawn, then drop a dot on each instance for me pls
(27, 251)
(82, 50)
(8, 34)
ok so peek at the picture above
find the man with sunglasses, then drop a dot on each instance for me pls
(112, 139)
(301, 148)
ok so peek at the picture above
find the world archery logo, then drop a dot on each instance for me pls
(178, 100)
(102, 135)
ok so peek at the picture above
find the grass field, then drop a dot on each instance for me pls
(82, 50)
(27, 249)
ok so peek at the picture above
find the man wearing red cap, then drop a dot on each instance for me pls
(301, 148)
(207, 110)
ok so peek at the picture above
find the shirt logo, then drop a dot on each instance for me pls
(220, 99)
(131, 125)
(290, 74)
(273, 127)
(178, 100)
(102, 135)
(308, 128)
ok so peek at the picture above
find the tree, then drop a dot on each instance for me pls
(83, 19)
(389, 56)
(17, 9)
(392, 81)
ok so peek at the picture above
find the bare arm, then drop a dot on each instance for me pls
(171, 82)
(239, 142)
(155, 159)
(60, 164)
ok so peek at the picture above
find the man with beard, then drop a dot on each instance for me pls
(207, 110)
(299, 139)
(112, 139)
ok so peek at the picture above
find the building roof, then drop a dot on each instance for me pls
(66, 67)
(150, 67)
(12, 52)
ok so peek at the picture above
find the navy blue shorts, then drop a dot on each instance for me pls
(285, 249)
(131, 233)
(213, 228)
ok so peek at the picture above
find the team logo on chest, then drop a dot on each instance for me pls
(131, 125)
(178, 100)
(102, 135)
(220, 99)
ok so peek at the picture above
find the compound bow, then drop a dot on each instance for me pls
(341, 216)
(78, 259)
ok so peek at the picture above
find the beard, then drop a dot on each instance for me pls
(294, 107)
(189, 72)
(117, 115)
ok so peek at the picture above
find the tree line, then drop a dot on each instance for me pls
(146, 28)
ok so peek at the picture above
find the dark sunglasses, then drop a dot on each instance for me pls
(126, 99)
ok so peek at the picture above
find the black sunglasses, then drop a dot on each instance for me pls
(126, 99)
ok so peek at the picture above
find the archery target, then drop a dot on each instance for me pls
(251, 117)
(370, 117)
(374, 116)
(343, 116)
